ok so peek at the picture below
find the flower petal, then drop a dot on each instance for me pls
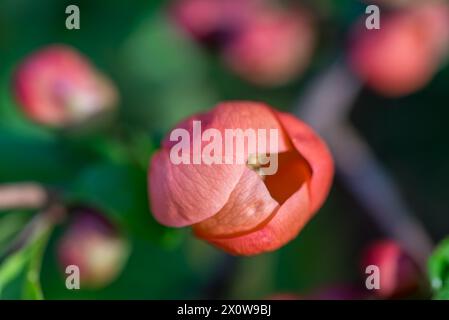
(283, 227)
(293, 171)
(237, 115)
(185, 194)
(315, 151)
(57, 86)
(249, 205)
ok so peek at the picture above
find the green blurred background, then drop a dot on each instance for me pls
(163, 77)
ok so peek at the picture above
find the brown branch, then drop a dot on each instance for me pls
(22, 196)
(328, 99)
(370, 183)
(325, 106)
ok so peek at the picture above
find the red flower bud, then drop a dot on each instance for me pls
(228, 203)
(403, 55)
(57, 86)
(399, 275)
(275, 46)
(212, 21)
(94, 245)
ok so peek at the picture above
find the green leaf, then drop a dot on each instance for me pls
(11, 268)
(120, 191)
(27, 262)
(442, 294)
(439, 270)
(32, 289)
(10, 224)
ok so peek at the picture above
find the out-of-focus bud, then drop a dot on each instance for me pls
(436, 17)
(404, 54)
(212, 22)
(399, 274)
(94, 245)
(275, 46)
(57, 86)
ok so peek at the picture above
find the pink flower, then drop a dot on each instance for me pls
(57, 86)
(232, 206)
(404, 54)
(212, 20)
(275, 47)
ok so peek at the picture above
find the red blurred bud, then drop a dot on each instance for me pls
(212, 21)
(275, 46)
(94, 245)
(229, 204)
(404, 54)
(57, 86)
(399, 274)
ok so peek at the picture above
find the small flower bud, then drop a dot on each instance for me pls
(94, 245)
(399, 274)
(58, 87)
(275, 47)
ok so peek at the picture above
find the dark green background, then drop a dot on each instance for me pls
(163, 77)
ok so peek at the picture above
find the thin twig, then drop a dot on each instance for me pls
(326, 105)
(365, 177)
(329, 98)
(22, 196)
(30, 196)
(37, 226)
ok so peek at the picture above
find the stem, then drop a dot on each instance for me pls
(328, 99)
(326, 105)
(22, 196)
(38, 225)
(364, 176)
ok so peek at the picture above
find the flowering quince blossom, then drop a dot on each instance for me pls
(57, 86)
(404, 54)
(275, 46)
(212, 20)
(262, 42)
(229, 204)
